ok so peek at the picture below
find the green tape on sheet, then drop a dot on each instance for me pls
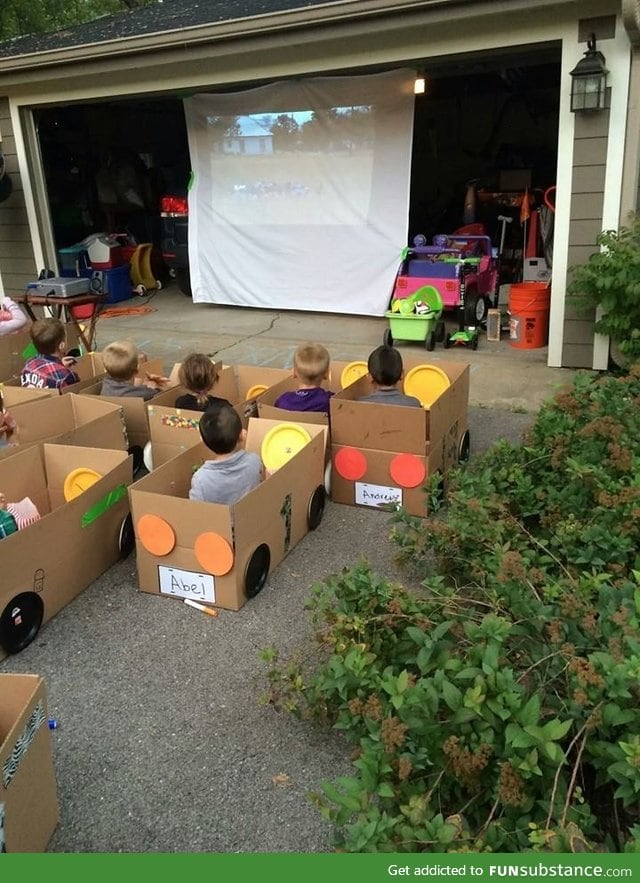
(103, 504)
(29, 351)
(404, 254)
(192, 178)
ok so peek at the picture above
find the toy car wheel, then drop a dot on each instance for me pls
(475, 309)
(20, 621)
(387, 337)
(440, 331)
(257, 571)
(464, 448)
(430, 342)
(447, 342)
(127, 537)
(138, 458)
(316, 507)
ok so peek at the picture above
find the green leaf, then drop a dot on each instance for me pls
(451, 695)
(529, 714)
(556, 729)
(403, 681)
(385, 790)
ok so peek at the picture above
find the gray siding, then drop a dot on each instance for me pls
(17, 261)
(589, 161)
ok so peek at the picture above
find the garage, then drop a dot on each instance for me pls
(484, 135)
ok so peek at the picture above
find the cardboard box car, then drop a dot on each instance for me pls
(16, 348)
(70, 419)
(13, 394)
(47, 563)
(245, 384)
(171, 431)
(133, 408)
(89, 368)
(28, 796)
(266, 402)
(221, 555)
(383, 454)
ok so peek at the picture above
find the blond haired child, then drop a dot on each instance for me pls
(310, 367)
(123, 364)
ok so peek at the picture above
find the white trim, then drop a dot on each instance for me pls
(27, 186)
(562, 217)
(618, 55)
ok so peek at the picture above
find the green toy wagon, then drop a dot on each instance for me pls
(417, 317)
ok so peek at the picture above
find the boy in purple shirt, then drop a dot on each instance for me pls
(310, 367)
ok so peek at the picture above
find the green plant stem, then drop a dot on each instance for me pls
(572, 782)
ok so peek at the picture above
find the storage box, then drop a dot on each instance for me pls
(46, 564)
(28, 798)
(69, 419)
(290, 503)
(384, 454)
(60, 286)
(115, 283)
(74, 260)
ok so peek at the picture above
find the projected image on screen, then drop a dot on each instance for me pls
(271, 168)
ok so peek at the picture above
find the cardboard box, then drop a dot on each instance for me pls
(266, 402)
(69, 419)
(13, 394)
(290, 503)
(235, 382)
(172, 431)
(89, 369)
(134, 409)
(16, 348)
(383, 454)
(28, 796)
(48, 563)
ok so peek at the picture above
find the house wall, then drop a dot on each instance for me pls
(17, 261)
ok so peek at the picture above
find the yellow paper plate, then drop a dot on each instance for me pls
(426, 382)
(281, 443)
(78, 481)
(406, 306)
(256, 391)
(352, 372)
(395, 305)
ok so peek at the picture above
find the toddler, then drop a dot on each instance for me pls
(310, 367)
(122, 362)
(12, 317)
(50, 368)
(232, 472)
(198, 374)
(385, 372)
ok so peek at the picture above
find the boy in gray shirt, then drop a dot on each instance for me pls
(232, 472)
(385, 372)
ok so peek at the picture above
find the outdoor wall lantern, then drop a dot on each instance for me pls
(589, 80)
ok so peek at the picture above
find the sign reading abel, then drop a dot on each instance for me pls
(377, 494)
(187, 584)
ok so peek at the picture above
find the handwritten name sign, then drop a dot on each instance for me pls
(187, 584)
(377, 494)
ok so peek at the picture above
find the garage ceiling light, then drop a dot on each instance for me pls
(419, 85)
(589, 80)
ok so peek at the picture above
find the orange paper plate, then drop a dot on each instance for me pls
(426, 383)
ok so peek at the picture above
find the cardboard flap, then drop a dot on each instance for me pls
(44, 418)
(60, 460)
(22, 474)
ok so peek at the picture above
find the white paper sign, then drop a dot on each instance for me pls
(187, 584)
(377, 494)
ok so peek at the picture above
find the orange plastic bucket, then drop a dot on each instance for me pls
(529, 315)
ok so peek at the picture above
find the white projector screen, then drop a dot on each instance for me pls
(300, 193)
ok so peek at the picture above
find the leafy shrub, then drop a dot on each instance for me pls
(498, 708)
(611, 280)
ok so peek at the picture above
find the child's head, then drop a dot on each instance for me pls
(311, 363)
(221, 428)
(198, 374)
(120, 359)
(49, 337)
(385, 366)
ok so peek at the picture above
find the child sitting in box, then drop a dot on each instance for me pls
(50, 368)
(12, 317)
(385, 373)
(122, 362)
(198, 375)
(232, 472)
(311, 367)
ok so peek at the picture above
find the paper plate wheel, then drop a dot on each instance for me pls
(256, 390)
(352, 372)
(426, 383)
(281, 443)
(78, 481)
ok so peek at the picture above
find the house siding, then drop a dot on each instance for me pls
(587, 203)
(17, 260)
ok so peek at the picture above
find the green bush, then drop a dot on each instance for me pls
(610, 280)
(496, 708)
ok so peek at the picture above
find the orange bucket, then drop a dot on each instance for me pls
(529, 315)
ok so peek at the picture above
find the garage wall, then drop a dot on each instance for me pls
(587, 202)
(17, 261)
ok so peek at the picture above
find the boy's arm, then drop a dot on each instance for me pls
(16, 318)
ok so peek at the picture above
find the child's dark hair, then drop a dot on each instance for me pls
(197, 373)
(220, 428)
(385, 366)
(47, 335)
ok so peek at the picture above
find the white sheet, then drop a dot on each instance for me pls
(310, 220)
